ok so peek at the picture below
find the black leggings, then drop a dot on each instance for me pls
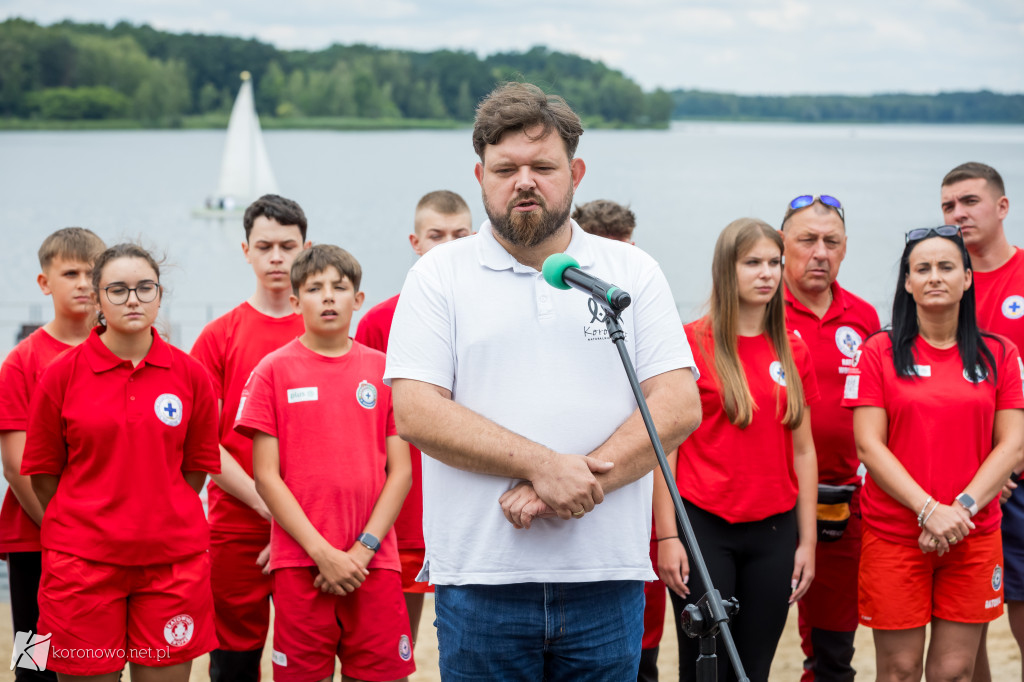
(753, 562)
(24, 570)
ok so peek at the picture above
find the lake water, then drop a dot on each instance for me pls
(359, 190)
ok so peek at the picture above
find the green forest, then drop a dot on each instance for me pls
(74, 72)
(91, 75)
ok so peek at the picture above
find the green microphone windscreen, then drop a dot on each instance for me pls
(555, 266)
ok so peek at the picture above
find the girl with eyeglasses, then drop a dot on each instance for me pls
(939, 426)
(748, 475)
(121, 434)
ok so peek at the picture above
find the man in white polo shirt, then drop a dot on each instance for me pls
(537, 481)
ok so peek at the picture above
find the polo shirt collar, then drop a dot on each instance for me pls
(101, 358)
(493, 255)
(835, 309)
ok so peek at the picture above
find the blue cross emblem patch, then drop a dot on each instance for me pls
(777, 373)
(1013, 307)
(168, 409)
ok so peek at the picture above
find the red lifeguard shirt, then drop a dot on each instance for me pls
(833, 341)
(331, 417)
(940, 425)
(230, 347)
(120, 437)
(18, 379)
(373, 331)
(1000, 299)
(746, 474)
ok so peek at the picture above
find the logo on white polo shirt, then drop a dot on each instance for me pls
(168, 409)
(178, 631)
(366, 394)
(1013, 307)
(777, 373)
(997, 577)
(848, 341)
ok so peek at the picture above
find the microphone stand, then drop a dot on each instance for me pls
(710, 615)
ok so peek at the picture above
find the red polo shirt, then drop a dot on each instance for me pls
(1000, 298)
(230, 347)
(18, 379)
(833, 341)
(374, 330)
(120, 437)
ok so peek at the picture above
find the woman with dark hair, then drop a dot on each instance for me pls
(939, 426)
(748, 475)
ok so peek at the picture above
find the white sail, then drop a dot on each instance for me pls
(245, 172)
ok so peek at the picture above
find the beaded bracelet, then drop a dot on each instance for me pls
(921, 513)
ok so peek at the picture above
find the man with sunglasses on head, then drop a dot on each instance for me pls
(832, 322)
(974, 198)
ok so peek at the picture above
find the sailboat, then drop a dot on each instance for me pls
(245, 172)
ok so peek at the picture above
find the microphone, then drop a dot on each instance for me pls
(563, 272)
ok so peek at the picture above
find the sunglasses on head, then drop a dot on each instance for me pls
(805, 200)
(941, 231)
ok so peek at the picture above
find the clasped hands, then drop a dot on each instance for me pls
(946, 526)
(567, 487)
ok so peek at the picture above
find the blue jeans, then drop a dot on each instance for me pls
(540, 631)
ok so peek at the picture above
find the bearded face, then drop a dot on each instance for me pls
(528, 219)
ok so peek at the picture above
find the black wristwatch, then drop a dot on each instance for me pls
(370, 542)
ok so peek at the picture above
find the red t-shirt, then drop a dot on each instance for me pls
(331, 417)
(1000, 298)
(18, 378)
(120, 437)
(833, 341)
(940, 426)
(374, 329)
(746, 474)
(230, 347)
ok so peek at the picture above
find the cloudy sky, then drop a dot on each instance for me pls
(746, 46)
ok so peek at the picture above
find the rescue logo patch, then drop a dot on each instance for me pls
(856, 358)
(1013, 307)
(777, 374)
(178, 630)
(278, 658)
(997, 577)
(366, 394)
(847, 341)
(404, 648)
(979, 371)
(168, 409)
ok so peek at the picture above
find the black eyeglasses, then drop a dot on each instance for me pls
(145, 291)
(805, 200)
(941, 231)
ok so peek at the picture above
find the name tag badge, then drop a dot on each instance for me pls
(923, 370)
(302, 395)
(851, 390)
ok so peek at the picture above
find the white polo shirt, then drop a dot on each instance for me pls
(538, 361)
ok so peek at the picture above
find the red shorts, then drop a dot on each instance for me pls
(654, 606)
(903, 588)
(103, 615)
(241, 593)
(368, 630)
(412, 564)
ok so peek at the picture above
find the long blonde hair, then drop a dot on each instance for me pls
(735, 241)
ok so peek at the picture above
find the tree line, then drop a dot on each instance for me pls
(74, 71)
(947, 107)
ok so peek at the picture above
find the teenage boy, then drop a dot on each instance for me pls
(333, 472)
(230, 348)
(441, 216)
(66, 259)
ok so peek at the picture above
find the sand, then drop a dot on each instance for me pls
(1003, 652)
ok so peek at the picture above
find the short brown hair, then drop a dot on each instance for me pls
(284, 211)
(606, 219)
(520, 106)
(973, 170)
(319, 257)
(444, 202)
(71, 243)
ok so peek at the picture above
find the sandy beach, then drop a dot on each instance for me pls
(1003, 652)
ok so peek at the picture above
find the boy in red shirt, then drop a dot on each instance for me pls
(441, 216)
(66, 259)
(229, 348)
(333, 555)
